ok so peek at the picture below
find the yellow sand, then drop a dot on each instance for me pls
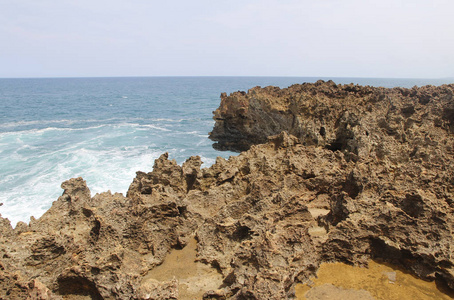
(194, 278)
(380, 280)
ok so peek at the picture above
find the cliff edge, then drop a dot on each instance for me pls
(331, 173)
(352, 118)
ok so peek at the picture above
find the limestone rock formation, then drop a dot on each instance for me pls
(358, 119)
(353, 173)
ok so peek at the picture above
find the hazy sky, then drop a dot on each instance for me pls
(330, 38)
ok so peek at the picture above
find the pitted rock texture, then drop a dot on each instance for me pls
(362, 120)
(263, 220)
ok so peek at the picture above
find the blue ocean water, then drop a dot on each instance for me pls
(106, 129)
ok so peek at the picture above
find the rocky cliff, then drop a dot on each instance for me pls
(332, 173)
(351, 118)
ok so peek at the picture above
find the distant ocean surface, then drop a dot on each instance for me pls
(106, 129)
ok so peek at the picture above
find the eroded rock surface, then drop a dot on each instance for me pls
(363, 120)
(364, 173)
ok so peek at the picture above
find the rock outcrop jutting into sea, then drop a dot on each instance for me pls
(328, 173)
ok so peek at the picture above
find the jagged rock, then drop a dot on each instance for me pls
(396, 200)
(365, 121)
(376, 182)
(97, 247)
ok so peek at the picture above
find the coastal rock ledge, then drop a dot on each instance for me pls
(331, 173)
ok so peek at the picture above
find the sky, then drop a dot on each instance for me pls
(326, 38)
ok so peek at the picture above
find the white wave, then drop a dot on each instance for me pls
(47, 129)
(69, 121)
(155, 127)
(207, 162)
(103, 170)
(167, 120)
(26, 146)
(28, 123)
(107, 156)
(175, 120)
(43, 130)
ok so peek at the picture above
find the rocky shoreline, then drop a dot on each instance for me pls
(328, 173)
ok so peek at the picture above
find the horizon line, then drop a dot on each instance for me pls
(226, 76)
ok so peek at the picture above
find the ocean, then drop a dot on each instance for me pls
(106, 129)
